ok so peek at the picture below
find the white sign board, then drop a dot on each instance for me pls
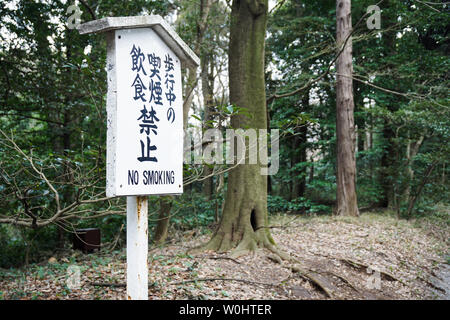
(145, 138)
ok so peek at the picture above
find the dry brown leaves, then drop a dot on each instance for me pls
(321, 244)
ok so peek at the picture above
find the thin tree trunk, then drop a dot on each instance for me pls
(67, 113)
(219, 188)
(299, 150)
(345, 125)
(389, 166)
(311, 170)
(162, 226)
(205, 6)
(295, 158)
(299, 155)
(191, 82)
(443, 174)
(387, 171)
(208, 102)
(413, 200)
(412, 148)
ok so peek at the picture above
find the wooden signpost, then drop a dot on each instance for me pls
(144, 124)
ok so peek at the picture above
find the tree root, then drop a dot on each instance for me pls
(282, 255)
(105, 284)
(307, 275)
(224, 279)
(224, 258)
(345, 280)
(250, 244)
(245, 247)
(432, 285)
(275, 259)
(123, 285)
(359, 265)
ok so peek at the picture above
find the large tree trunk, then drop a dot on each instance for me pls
(244, 220)
(345, 125)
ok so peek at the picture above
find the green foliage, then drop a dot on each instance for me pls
(52, 104)
(18, 246)
(277, 204)
(12, 248)
(400, 93)
(193, 212)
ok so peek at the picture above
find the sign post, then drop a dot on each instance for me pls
(144, 124)
(137, 248)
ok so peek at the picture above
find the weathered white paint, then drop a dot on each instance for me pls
(137, 206)
(137, 248)
(167, 137)
(153, 34)
(157, 23)
(111, 110)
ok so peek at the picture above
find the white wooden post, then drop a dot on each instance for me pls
(127, 173)
(137, 248)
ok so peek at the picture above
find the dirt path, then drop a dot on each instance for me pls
(441, 282)
(373, 257)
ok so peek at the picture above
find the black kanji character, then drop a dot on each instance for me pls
(170, 115)
(168, 63)
(138, 88)
(155, 62)
(170, 97)
(155, 92)
(137, 58)
(169, 81)
(149, 148)
(148, 121)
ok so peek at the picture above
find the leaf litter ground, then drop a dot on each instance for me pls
(374, 256)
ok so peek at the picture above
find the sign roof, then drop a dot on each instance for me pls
(156, 22)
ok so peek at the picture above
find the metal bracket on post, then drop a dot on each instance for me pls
(137, 248)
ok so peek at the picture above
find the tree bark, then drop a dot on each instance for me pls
(66, 142)
(162, 226)
(412, 148)
(244, 220)
(205, 6)
(207, 77)
(413, 200)
(345, 125)
(387, 171)
(389, 164)
(299, 156)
